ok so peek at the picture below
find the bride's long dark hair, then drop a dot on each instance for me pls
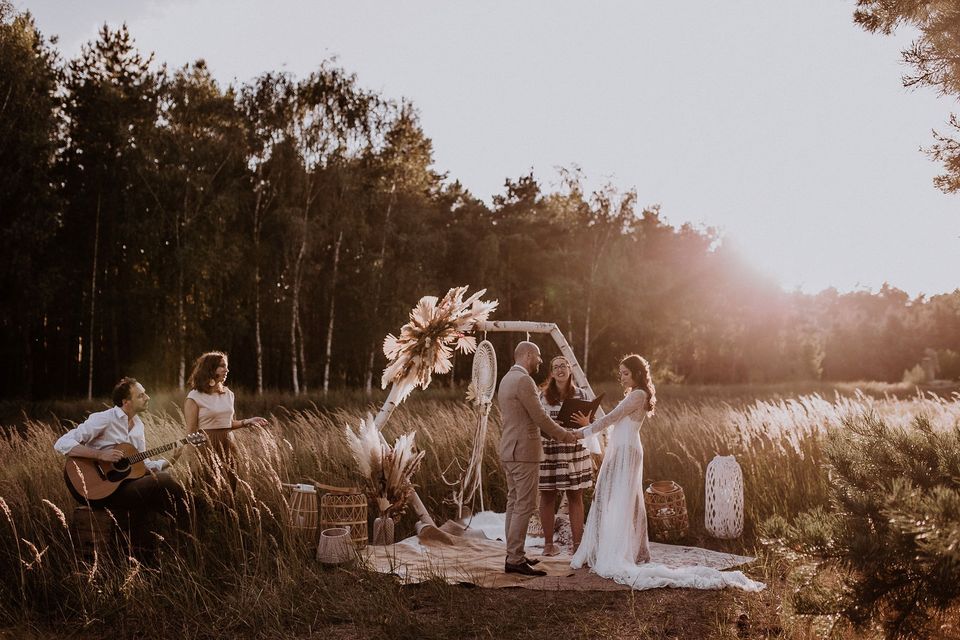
(640, 371)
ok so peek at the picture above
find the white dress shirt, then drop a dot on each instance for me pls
(104, 429)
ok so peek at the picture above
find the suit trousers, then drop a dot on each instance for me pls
(522, 480)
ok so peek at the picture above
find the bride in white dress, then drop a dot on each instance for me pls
(615, 543)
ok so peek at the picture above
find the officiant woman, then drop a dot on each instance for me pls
(565, 467)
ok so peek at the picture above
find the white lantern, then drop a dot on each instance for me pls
(723, 507)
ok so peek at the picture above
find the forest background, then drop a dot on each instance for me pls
(149, 214)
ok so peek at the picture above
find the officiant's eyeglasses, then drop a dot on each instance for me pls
(560, 367)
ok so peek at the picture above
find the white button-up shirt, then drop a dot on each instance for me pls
(104, 429)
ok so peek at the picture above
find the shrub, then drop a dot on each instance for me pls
(887, 550)
(916, 375)
(949, 364)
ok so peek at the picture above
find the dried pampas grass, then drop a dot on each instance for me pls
(385, 470)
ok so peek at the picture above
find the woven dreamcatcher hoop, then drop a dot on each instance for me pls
(484, 378)
(482, 386)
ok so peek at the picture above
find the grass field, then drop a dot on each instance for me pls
(242, 575)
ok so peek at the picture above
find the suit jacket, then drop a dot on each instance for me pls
(523, 418)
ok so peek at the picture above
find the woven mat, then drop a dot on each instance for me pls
(473, 553)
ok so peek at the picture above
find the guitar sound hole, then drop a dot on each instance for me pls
(121, 465)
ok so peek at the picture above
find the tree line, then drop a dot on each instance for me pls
(150, 214)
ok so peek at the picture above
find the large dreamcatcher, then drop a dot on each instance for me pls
(480, 392)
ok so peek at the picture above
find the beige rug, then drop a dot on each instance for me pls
(473, 554)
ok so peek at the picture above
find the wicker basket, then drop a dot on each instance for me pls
(666, 511)
(349, 510)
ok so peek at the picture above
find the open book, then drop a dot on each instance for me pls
(572, 406)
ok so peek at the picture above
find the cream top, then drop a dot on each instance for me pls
(216, 409)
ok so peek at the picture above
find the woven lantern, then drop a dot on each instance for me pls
(666, 511)
(302, 514)
(723, 507)
(335, 546)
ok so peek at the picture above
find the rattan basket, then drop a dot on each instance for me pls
(666, 511)
(341, 507)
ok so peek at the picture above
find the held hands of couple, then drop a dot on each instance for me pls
(567, 437)
(572, 437)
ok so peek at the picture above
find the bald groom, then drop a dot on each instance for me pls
(521, 452)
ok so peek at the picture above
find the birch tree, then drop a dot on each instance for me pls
(267, 105)
(203, 163)
(331, 122)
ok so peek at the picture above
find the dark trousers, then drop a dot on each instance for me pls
(157, 493)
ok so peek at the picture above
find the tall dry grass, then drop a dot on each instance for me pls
(239, 572)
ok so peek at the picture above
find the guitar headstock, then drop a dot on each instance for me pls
(197, 437)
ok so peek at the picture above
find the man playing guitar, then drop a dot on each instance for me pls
(96, 439)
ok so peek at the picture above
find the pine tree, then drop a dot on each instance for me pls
(888, 549)
(29, 74)
(935, 58)
(111, 108)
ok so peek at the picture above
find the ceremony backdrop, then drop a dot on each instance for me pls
(150, 213)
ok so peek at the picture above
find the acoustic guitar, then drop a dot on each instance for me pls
(90, 479)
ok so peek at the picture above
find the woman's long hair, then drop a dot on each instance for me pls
(205, 370)
(640, 370)
(551, 389)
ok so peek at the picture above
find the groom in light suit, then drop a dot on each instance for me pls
(521, 452)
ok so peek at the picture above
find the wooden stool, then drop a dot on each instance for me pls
(106, 530)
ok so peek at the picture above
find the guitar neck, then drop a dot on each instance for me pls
(143, 455)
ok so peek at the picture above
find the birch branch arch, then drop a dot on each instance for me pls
(427, 342)
(513, 326)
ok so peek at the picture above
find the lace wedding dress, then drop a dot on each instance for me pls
(615, 543)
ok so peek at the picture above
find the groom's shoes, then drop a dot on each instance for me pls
(522, 568)
(531, 562)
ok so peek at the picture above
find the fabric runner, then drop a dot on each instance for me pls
(473, 553)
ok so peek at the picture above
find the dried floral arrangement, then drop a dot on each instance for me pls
(426, 343)
(385, 470)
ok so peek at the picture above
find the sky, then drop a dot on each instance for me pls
(780, 124)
